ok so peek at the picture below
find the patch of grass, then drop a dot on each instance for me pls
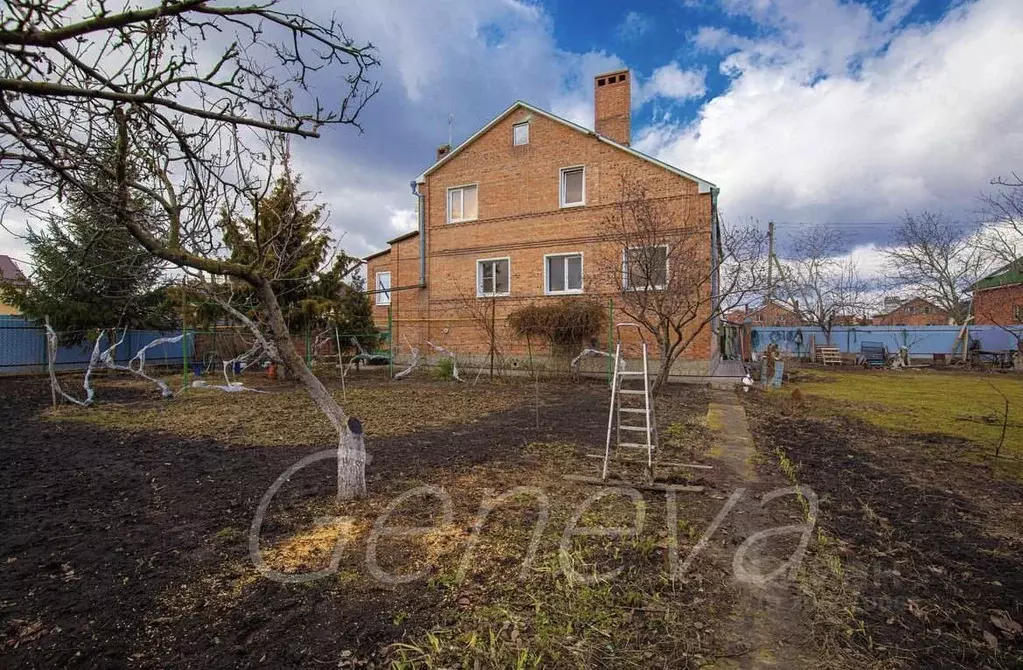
(957, 405)
(289, 417)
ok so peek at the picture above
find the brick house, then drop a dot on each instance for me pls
(998, 298)
(768, 314)
(513, 216)
(9, 274)
(913, 312)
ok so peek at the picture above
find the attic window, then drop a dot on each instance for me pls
(520, 134)
(601, 82)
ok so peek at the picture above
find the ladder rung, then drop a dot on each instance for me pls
(631, 392)
(632, 410)
(639, 428)
(627, 373)
(634, 445)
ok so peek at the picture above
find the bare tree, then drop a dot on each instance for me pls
(660, 259)
(936, 260)
(199, 94)
(817, 283)
(1003, 213)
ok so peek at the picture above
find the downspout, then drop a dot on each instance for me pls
(421, 211)
(717, 257)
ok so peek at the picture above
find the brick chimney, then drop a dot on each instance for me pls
(612, 105)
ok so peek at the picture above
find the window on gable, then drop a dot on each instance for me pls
(573, 186)
(493, 277)
(564, 273)
(645, 268)
(520, 134)
(462, 204)
(383, 288)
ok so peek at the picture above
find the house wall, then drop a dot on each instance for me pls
(520, 218)
(8, 310)
(774, 315)
(999, 306)
(914, 312)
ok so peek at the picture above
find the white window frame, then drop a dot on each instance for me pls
(515, 127)
(561, 186)
(546, 276)
(383, 297)
(459, 188)
(625, 268)
(479, 277)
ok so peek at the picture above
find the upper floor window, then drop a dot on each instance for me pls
(493, 277)
(1017, 312)
(573, 186)
(520, 134)
(564, 273)
(383, 288)
(645, 267)
(462, 203)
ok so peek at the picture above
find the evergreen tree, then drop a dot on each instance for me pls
(354, 314)
(90, 272)
(288, 236)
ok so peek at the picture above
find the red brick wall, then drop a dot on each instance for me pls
(613, 106)
(998, 305)
(520, 218)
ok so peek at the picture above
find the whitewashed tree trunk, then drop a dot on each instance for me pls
(351, 463)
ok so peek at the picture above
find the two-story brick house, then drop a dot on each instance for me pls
(998, 298)
(513, 215)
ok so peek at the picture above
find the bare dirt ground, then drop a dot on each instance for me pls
(124, 539)
(918, 562)
(125, 536)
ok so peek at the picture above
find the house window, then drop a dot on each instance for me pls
(573, 186)
(462, 204)
(1017, 313)
(520, 134)
(493, 277)
(564, 273)
(645, 267)
(383, 288)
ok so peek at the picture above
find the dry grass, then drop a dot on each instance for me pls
(288, 417)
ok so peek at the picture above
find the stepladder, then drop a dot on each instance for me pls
(631, 425)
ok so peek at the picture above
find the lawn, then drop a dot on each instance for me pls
(955, 404)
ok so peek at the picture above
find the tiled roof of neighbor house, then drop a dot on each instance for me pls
(9, 270)
(705, 186)
(1012, 273)
(909, 301)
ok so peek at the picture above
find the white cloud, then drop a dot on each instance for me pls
(672, 82)
(634, 26)
(832, 117)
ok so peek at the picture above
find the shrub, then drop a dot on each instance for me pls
(446, 368)
(567, 323)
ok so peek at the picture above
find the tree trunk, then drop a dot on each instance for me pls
(351, 449)
(663, 370)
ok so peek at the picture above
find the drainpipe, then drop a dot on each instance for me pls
(421, 210)
(716, 256)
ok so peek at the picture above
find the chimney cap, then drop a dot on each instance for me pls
(621, 74)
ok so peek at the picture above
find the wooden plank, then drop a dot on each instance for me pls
(699, 466)
(583, 479)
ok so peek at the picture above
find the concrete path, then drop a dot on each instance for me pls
(766, 620)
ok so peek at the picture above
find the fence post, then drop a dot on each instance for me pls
(390, 344)
(610, 336)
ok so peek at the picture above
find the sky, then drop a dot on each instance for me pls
(802, 111)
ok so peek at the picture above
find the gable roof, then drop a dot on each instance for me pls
(9, 270)
(905, 303)
(1007, 275)
(704, 185)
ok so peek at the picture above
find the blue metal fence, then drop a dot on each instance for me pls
(23, 348)
(919, 340)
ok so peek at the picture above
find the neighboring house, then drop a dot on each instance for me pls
(913, 312)
(514, 216)
(998, 298)
(9, 273)
(768, 314)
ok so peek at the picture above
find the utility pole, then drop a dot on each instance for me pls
(770, 260)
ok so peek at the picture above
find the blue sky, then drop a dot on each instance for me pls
(822, 111)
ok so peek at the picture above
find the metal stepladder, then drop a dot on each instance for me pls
(640, 437)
